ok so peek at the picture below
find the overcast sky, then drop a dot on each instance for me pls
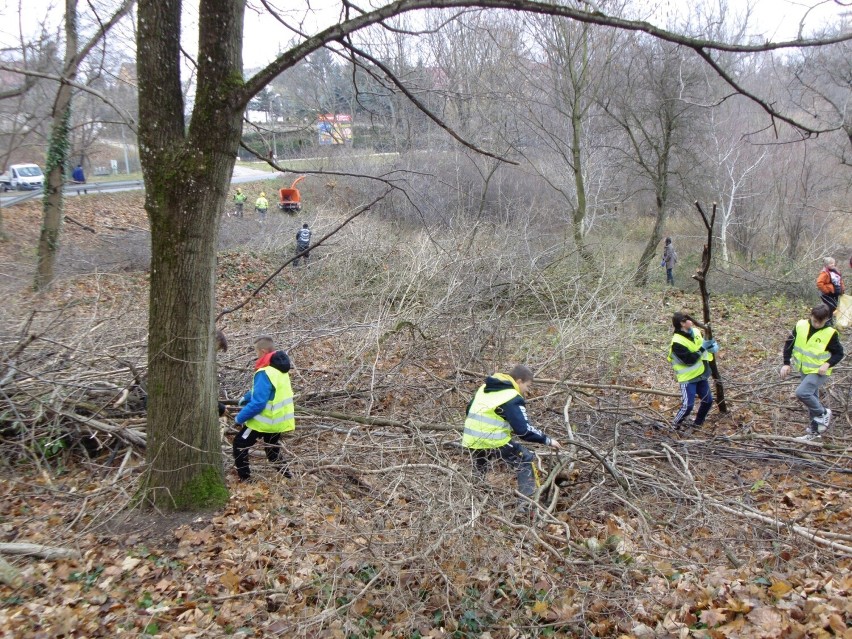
(265, 37)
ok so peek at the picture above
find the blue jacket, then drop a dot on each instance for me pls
(262, 390)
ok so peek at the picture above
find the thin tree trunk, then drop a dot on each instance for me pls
(701, 277)
(57, 156)
(640, 278)
(579, 218)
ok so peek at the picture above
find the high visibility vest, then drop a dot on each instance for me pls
(685, 372)
(239, 198)
(261, 203)
(810, 354)
(484, 428)
(279, 414)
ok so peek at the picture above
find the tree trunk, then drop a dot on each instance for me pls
(579, 218)
(184, 443)
(187, 174)
(640, 278)
(57, 156)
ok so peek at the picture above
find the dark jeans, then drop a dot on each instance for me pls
(299, 249)
(669, 276)
(517, 456)
(831, 301)
(688, 391)
(246, 439)
(238, 209)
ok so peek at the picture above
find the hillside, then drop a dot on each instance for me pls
(735, 530)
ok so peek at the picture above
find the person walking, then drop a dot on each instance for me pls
(669, 260)
(261, 204)
(813, 349)
(79, 177)
(239, 200)
(496, 413)
(268, 409)
(830, 284)
(303, 243)
(689, 354)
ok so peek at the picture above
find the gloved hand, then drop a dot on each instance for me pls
(714, 347)
(707, 343)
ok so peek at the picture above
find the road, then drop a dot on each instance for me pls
(240, 175)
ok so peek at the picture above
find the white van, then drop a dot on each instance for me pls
(23, 177)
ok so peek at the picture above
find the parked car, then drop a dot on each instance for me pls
(22, 177)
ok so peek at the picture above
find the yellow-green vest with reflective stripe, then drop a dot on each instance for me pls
(810, 354)
(685, 372)
(279, 414)
(484, 428)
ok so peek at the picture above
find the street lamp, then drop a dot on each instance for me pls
(275, 98)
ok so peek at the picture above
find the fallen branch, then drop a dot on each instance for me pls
(564, 382)
(80, 224)
(37, 550)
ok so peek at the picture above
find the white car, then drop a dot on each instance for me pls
(23, 177)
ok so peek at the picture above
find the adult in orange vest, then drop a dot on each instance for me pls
(268, 409)
(812, 349)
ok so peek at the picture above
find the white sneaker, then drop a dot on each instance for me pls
(823, 421)
(809, 436)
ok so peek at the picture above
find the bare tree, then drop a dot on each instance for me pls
(559, 102)
(58, 143)
(655, 110)
(186, 174)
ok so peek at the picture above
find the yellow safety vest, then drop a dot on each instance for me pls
(810, 354)
(484, 429)
(685, 372)
(279, 414)
(261, 203)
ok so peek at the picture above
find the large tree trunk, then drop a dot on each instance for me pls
(186, 176)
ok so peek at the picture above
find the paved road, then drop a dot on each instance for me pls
(241, 175)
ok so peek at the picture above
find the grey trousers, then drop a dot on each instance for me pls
(517, 456)
(808, 393)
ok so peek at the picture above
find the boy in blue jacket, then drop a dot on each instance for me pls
(268, 409)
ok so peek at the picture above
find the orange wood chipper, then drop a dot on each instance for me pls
(290, 200)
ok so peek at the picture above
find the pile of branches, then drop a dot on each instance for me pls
(57, 394)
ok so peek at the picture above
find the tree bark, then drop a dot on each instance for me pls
(57, 156)
(187, 174)
(701, 277)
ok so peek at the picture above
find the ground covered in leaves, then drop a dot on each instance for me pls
(735, 530)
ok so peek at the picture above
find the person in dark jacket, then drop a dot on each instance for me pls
(669, 260)
(303, 243)
(813, 349)
(268, 409)
(689, 355)
(496, 413)
(79, 177)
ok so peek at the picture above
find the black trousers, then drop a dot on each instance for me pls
(299, 249)
(246, 439)
(514, 454)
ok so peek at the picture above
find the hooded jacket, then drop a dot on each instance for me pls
(513, 411)
(262, 391)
